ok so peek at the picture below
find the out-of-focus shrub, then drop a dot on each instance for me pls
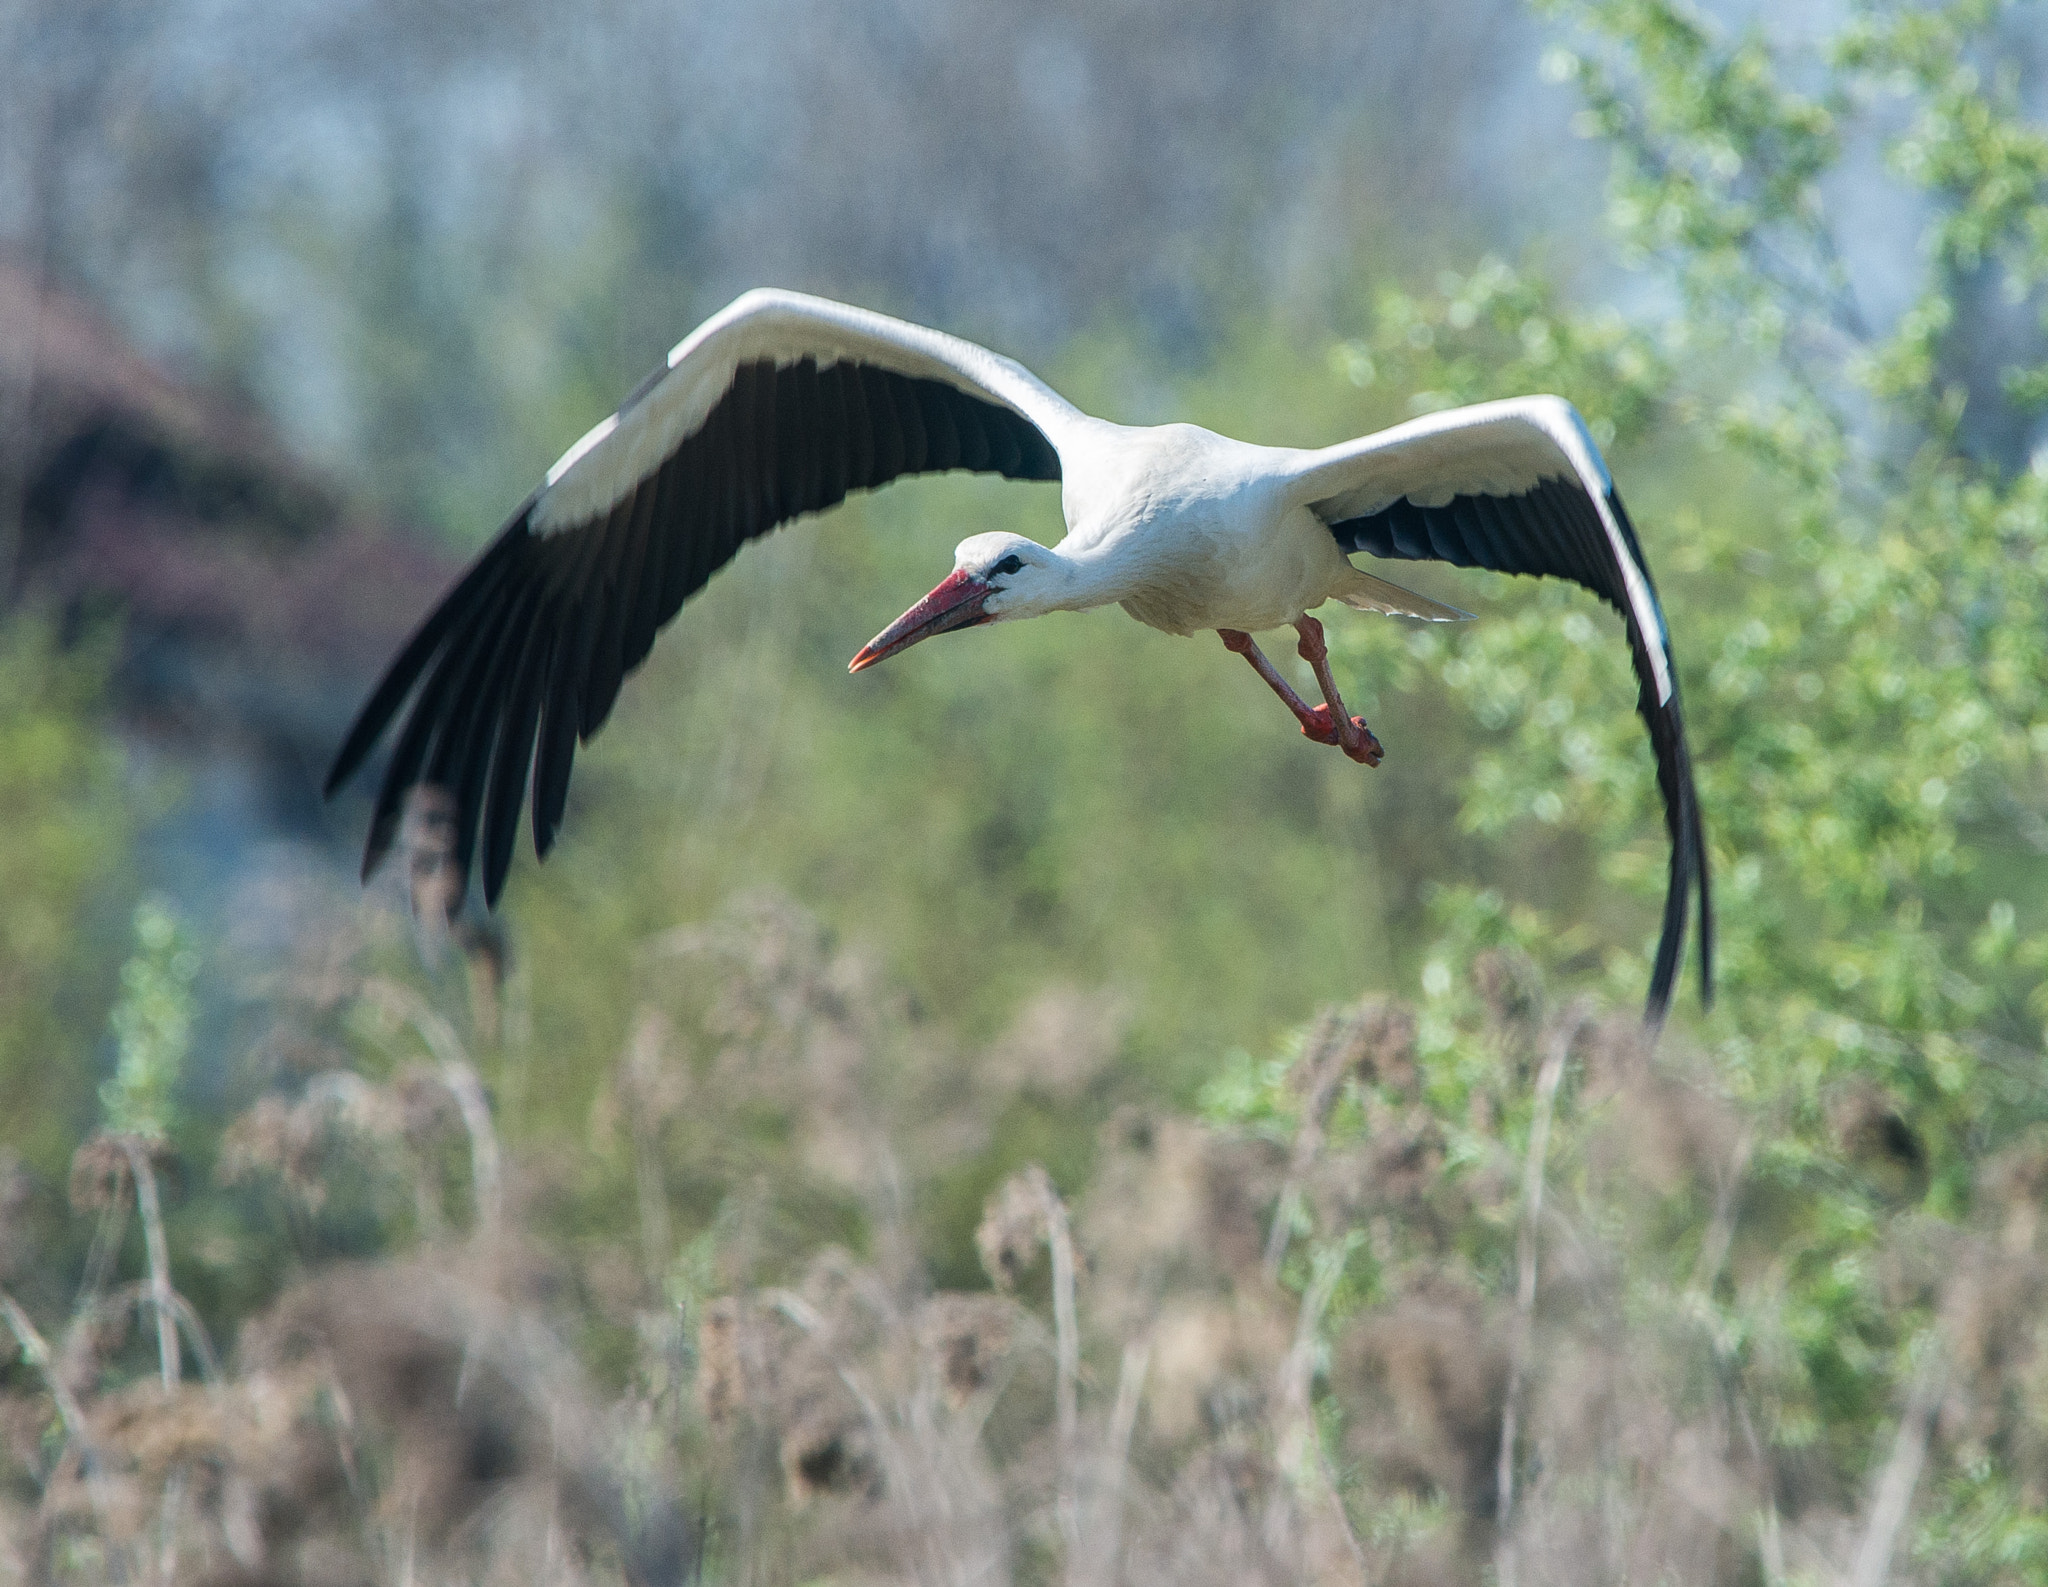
(66, 818)
(1856, 569)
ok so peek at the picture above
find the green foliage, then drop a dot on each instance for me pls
(152, 1025)
(1856, 575)
(1850, 524)
(1854, 565)
(67, 835)
(1857, 603)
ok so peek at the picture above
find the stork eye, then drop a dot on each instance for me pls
(1010, 564)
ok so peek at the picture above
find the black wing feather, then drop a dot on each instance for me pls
(606, 670)
(910, 417)
(891, 456)
(462, 756)
(974, 447)
(942, 440)
(407, 665)
(524, 657)
(1554, 529)
(833, 471)
(557, 755)
(652, 582)
(792, 426)
(513, 759)
(860, 428)
(1004, 454)
(450, 664)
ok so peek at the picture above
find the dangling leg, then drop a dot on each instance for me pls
(1315, 720)
(1349, 732)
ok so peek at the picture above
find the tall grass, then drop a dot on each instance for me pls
(1358, 1319)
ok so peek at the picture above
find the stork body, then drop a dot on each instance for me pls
(783, 404)
(1189, 530)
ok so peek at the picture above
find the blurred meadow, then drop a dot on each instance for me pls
(1023, 1114)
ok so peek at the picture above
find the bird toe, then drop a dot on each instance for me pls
(1366, 751)
(1319, 726)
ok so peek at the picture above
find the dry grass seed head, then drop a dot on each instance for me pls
(151, 1432)
(139, 1436)
(288, 1140)
(99, 1174)
(1013, 1227)
(1872, 1132)
(2013, 1186)
(303, 1141)
(1178, 1205)
(1382, 1045)
(1664, 1127)
(732, 1365)
(825, 1445)
(1373, 1042)
(1214, 1364)
(427, 1113)
(1421, 1383)
(967, 1340)
(1394, 1168)
(384, 1337)
(758, 1369)
(1511, 988)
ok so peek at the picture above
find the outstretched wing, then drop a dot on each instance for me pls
(778, 406)
(1519, 487)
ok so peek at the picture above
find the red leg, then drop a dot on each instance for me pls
(1350, 732)
(1314, 719)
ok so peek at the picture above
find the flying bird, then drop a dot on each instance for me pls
(783, 404)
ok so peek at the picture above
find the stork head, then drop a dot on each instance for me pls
(994, 575)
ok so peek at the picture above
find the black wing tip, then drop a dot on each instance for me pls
(1706, 921)
(377, 847)
(1665, 976)
(1544, 538)
(384, 840)
(1670, 962)
(382, 705)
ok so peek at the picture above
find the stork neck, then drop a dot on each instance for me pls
(1095, 575)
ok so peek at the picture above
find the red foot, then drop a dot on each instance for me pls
(1316, 725)
(1366, 750)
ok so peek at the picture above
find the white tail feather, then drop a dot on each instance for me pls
(1369, 594)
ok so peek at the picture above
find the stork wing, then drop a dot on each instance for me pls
(778, 406)
(1520, 487)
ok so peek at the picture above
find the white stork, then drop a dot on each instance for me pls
(782, 404)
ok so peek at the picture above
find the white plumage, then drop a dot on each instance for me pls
(782, 404)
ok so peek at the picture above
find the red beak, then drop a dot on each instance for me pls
(956, 603)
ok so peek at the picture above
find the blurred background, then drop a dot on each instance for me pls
(1023, 1114)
